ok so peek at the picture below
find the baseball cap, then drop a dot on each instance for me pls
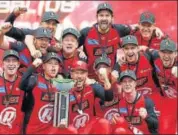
(147, 17)
(102, 60)
(49, 15)
(71, 31)
(129, 40)
(43, 33)
(167, 44)
(127, 73)
(51, 55)
(8, 53)
(104, 6)
(80, 65)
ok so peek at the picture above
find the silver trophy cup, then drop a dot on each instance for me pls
(61, 102)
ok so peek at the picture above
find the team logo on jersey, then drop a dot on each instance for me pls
(145, 91)
(85, 105)
(10, 100)
(2, 89)
(98, 51)
(109, 114)
(169, 91)
(141, 81)
(45, 113)
(47, 96)
(81, 120)
(7, 116)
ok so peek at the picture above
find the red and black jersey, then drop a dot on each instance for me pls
(42, 114)
(167, 80)
(11, 116)
(153, 43)
(143, 70)
(84, 101)
(130, 111)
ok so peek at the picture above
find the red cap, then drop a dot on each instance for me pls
(78, 64)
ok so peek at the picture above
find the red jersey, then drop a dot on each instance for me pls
(131, 113)
(167, 80)
(11, 116)
(143, 70)
(81, 101)
(153, 43)
(42, 115)
(96, 44)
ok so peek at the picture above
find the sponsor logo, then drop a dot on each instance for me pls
(134, 120)
(45, 113)
(123, 110)
(7, 116)
(142, 81)
(81, 120)
(98, 51)
(47, 96)
(10, 100)
(72, 98)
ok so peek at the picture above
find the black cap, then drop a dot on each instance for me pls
(147, 17)
(167, 44)
(8, 53)
(127, 73)
(42, 33)
(102, 60)
(129, 40)
(49, 15)
(71, 31)
(104, 6)
(51, 55)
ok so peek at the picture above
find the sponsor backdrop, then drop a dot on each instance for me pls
(83, 13)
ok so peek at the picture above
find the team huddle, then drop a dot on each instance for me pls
(125, 76)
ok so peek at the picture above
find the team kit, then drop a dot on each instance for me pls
(105, 79)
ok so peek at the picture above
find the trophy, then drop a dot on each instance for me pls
(61, 102)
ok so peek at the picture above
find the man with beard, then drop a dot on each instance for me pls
(141, 64)
(137, 110)
(41, 93)
(82, 98)
(41, 41)
(49, 20)
(103, 37)
(165, 66)
(102, 67)
(146, 31)
(11, 116)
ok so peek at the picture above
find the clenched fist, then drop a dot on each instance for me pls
(37, 62)
(5, 27)
(19, 10)
(36, 54)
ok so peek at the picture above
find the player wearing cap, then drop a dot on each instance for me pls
(137, 110)
(82, 98)
(145, 33)
(141, 64)
(166, 70)
(69, 51)
(102, 67)
(49, 20)
(41, 94)
(41, 41)
(11, 116)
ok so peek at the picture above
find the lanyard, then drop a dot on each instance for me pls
(79, 103)
(130, 115)
(7, 96)
(48, 85)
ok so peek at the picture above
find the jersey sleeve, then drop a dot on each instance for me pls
(122, 30)
(151, 119)
(17, 46)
